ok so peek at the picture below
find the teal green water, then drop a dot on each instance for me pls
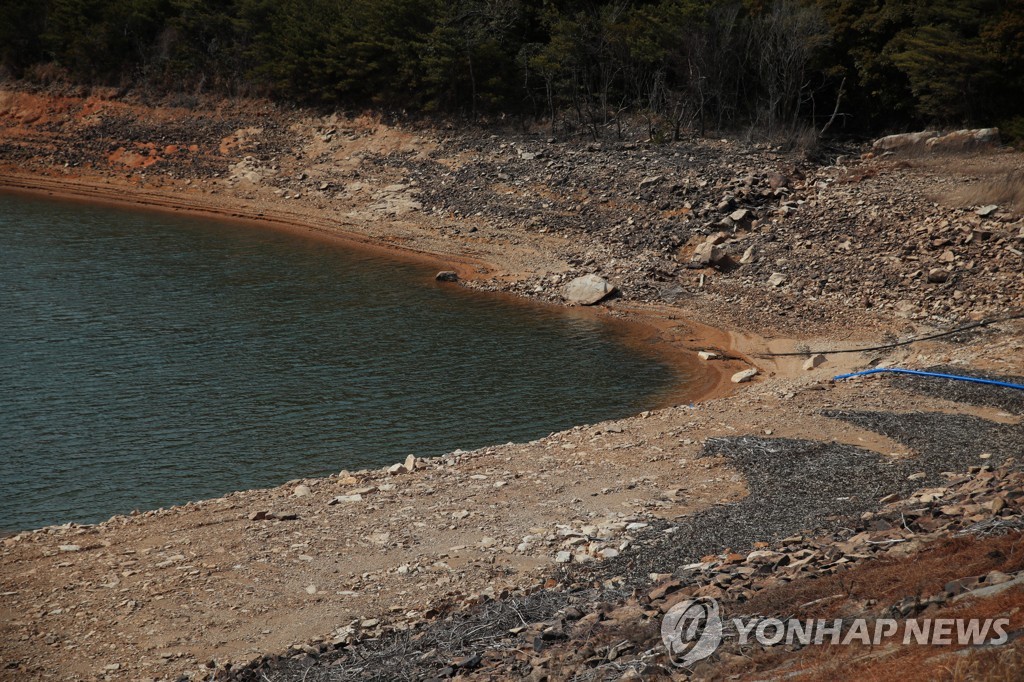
(148, 359)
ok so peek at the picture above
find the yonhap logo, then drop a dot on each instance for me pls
(692, 630)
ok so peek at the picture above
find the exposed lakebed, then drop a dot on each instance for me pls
(148, 359)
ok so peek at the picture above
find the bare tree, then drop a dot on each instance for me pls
(782, 43)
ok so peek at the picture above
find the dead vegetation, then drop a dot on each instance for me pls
(988, 180)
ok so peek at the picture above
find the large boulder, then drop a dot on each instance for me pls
(965, 139)
(588, 289)
(892, 143)
(708, 253)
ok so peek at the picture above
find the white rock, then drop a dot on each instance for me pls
(777, 279)
(708, 355)
(744, 376)
(959, 140)
(814, 361)
(301, 491)
(563, 557)
(903, 141)
(588, 289)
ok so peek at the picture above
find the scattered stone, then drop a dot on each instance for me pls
(301, 491)
(341, 499)
(588, 289)
(709, 253)
(741, 215)
(744, 376)
(777, 279)
(708, 355)
(815, 361)
(447, 276)
(986, 211)
(938, 276)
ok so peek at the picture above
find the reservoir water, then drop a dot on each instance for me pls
(149, 359)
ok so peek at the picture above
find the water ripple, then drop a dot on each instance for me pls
(148, 360)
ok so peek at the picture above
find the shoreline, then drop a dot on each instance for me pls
(655, 334)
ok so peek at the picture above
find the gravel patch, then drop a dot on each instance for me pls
(796, 486)
(1009, 399)
(426, 653)
(942, 442)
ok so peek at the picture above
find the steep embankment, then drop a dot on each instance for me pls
(774, 252)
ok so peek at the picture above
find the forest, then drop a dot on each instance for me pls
(778, 67)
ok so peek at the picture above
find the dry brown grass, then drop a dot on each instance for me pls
(985, 179)
(1005, 190)
(888, 580)
(993, 665)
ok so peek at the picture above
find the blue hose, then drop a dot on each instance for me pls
(976, 380)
